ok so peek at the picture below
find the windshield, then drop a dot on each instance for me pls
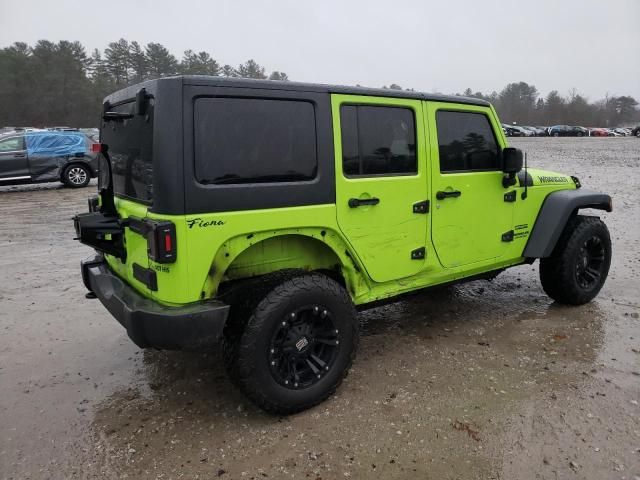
(130, 143)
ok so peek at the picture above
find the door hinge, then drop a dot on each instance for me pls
(421, 207)
(507, 236)
(145, 276)
(510, 196)
(418, 253)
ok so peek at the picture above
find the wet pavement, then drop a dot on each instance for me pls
(483, 380)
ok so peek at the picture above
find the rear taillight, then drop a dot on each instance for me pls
(162, 242)
(96, 147)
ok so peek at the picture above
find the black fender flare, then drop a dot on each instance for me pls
(556, 210)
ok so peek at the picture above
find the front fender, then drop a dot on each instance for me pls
(554, 214)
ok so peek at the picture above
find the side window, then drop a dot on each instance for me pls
(378, 141)
(245, 140)
(12, 144)
(466, 142)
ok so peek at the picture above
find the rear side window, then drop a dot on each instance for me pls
(243, 140)
(378, 140)
(12, 144)
(466, 142)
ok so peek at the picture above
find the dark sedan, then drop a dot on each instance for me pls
(567, 131)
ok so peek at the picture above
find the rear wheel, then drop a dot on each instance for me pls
(578, 267)
(76, 176)
(296, 345)
(556, 134)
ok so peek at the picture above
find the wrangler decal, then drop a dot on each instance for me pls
(547, 179)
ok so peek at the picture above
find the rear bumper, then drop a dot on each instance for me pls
(148, 323)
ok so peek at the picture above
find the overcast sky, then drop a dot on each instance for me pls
(444, 46)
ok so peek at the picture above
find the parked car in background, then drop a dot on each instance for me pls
(544, 131)
(567, 131)
(537, 131)
(622, 132)
(92, 133)
(598, 132)
(517, 131)
(613, 133)
(47, 156)
(512, 131)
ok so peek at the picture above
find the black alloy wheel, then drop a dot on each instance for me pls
(591, 260)
(304, 347)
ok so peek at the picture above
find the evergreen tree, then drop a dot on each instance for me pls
(159, 61)
(279, 76)
(251, 69)
(117, 61)
(137, 62)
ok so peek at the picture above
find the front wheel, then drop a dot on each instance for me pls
(556, 134)
(76, 176)
(578, 267)
(297, 344)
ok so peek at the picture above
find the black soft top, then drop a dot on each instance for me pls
(204, 80)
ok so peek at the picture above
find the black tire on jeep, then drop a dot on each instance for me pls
(291, 341)
(76, 176)
(579, 264)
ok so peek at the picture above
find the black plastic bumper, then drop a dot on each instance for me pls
(148, 323)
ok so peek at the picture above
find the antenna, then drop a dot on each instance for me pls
(526, 177)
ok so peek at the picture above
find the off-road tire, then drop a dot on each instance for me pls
(559, 272)
(258, 310)
(76, 176)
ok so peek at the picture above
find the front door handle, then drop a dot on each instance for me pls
(19, 155)
(441, 195)
(356, 202)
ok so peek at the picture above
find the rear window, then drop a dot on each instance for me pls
(378, 140)
(130, 144)
(243, 140)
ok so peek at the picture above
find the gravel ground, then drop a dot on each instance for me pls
(484, 380)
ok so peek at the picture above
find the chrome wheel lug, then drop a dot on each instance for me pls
(273, 362)
(273, 350)
(284, 324)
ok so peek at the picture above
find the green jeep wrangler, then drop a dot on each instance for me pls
(264, 214)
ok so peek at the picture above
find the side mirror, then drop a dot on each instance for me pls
(511, 164)
(511, 160)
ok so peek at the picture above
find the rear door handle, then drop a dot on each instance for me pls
(441, 195)
(356, 202)
(19, 155)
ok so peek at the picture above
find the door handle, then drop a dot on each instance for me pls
(356, 202)
(19, 155)
(441, 195)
